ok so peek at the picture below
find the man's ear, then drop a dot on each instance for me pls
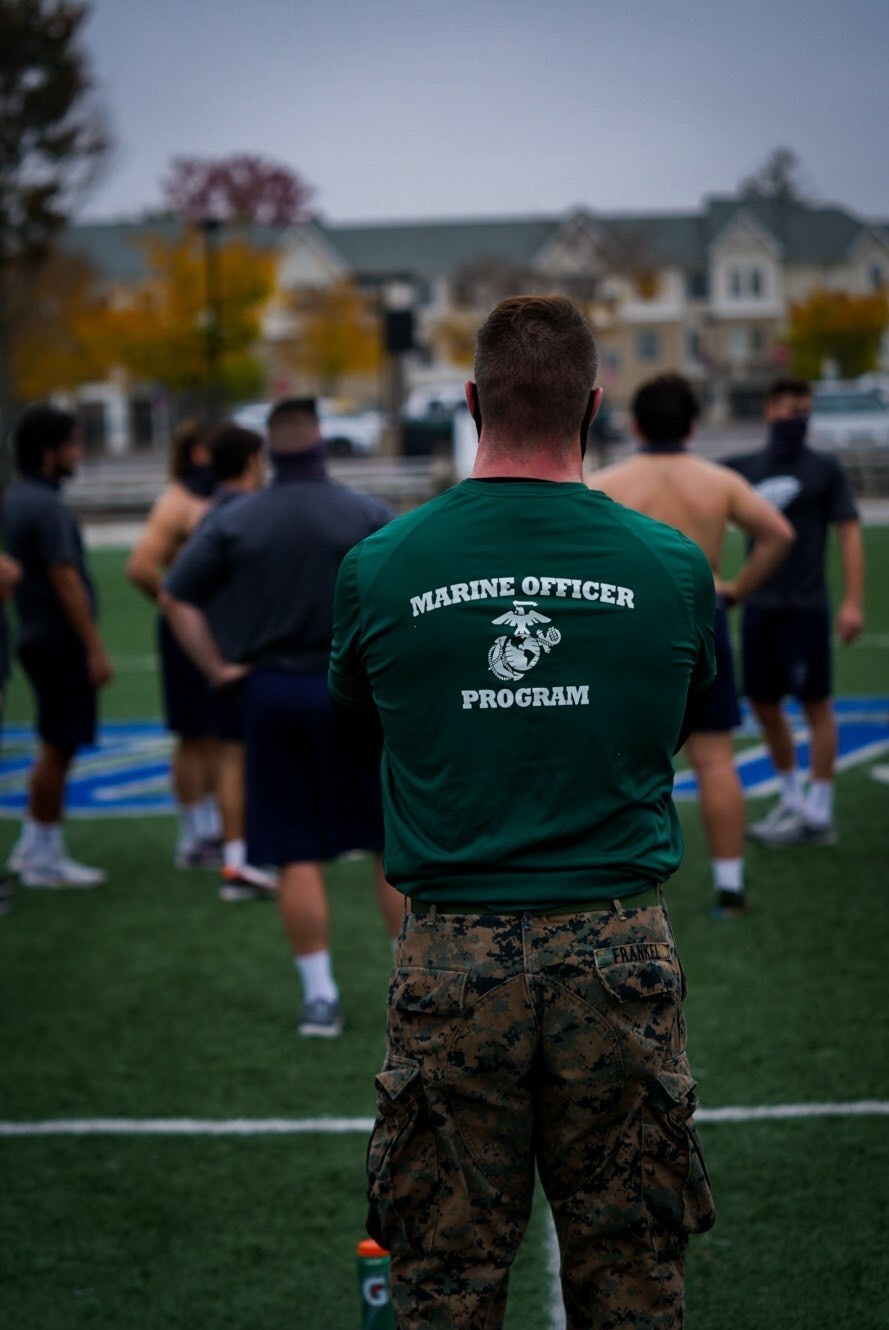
(472, 402)
(589, 416)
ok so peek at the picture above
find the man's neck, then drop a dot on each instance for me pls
(539, 464)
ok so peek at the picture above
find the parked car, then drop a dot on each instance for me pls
(846, 416)
(347, 433)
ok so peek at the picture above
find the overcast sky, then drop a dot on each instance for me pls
(471, 108)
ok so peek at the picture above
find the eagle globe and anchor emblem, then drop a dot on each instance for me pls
(511, 657)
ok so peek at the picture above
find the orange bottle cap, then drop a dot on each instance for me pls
(367, 1247)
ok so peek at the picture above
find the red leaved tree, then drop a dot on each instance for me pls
(241, 188)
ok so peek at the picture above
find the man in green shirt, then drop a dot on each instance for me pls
(525, 651)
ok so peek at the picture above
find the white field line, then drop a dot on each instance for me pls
(339, 1126)
(344, 1126)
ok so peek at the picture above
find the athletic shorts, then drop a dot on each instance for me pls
(721, 712)
(227, 713)
(63, 692)
(786, 651)
(186, 692)
(307, 797)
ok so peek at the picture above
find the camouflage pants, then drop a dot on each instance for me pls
(554, 1041)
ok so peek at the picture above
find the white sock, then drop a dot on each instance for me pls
(189, 824)
(209, 821)
(234, 854)
(317, 976)
(48, 840)
(28, 833)
(819, 803)
(728, 875)
(792, 791)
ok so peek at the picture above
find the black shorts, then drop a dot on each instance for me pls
(307, 797)
(63, 691)
(186, 692)
(786, 651)
(721, 712)
(227, 713)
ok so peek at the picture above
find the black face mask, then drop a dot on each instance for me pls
(200, 481)
(786, 437)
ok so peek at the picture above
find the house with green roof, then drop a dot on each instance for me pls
(705, 293)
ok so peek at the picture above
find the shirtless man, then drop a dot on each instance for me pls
(187, 699)
(701, 498)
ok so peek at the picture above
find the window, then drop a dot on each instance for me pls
(757, 340)
(648, 344)
(696, 285)
(738, 343)
(746, 282)
(876, 275)
(693, 344)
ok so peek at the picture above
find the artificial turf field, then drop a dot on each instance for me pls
(149, 999)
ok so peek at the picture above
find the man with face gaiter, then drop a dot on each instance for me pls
(786, 624)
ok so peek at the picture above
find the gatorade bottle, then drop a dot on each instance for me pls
(377, 1312)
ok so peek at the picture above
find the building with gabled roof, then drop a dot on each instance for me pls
(706, 293)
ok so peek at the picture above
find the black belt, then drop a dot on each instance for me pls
(639, 900)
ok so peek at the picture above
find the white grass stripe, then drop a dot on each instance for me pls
(188, 1127)
(862, 1108)
(344, 1126)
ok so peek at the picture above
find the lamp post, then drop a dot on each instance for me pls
(398, 337)
(210, 229)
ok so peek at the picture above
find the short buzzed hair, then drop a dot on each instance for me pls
(788, 387)
(665, 409)
(292, 406)
(535, 367)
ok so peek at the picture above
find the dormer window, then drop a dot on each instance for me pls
(746, 282)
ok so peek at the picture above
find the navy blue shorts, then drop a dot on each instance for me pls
(227, 713)
(786, 651)
(186, 692)
(721, 712)
(307, 798)
(65, 696)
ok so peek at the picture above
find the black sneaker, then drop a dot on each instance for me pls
(5, 895)
(730, 905)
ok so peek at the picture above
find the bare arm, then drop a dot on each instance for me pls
(10, 575)
(770, 531)
(850, 616)
(192, 631)
(170, 523)
(76, 607)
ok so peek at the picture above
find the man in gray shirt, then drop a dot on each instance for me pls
(268, 564)
(59, 644)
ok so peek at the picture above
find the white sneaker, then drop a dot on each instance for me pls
(248, 884)
(60, 874)
(782, 826)
(19, 856)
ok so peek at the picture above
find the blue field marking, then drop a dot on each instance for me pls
(126, 774)
(863, 728)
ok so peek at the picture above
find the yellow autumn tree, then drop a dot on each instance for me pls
(836, 326)
(160, 327)
(60, 333)
(338, 335)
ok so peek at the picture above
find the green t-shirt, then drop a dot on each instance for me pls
(529, 647)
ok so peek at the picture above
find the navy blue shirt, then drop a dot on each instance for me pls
(41, 531)
(812, 490)
(268, 564)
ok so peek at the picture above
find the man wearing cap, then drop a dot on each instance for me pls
(275, 555)
(59, 644)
